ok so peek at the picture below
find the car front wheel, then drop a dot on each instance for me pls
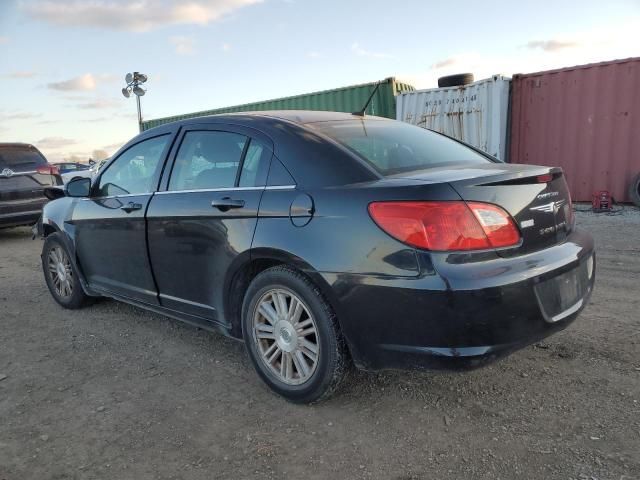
(60, 275)
(292, 336)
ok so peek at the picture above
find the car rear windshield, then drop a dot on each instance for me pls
(395, 147)
(20, 157)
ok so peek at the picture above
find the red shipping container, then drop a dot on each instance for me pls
(585, 119)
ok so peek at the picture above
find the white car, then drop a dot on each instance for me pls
(90, 173)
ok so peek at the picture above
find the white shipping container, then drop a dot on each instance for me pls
(475, 113)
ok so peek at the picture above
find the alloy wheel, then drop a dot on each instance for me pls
(286, 335)
(60, 271)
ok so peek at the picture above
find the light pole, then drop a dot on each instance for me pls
(134, 80)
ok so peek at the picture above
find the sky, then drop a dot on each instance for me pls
(63, 62)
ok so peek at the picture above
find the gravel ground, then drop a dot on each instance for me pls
(115, 392)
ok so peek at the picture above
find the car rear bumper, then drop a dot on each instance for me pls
(460, 313)
(20, 211)
(19, 218)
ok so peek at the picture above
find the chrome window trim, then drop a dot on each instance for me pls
(166, 192)
(229, 189)
(281, 187)
(116, 196)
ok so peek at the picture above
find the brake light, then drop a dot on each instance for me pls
(48, 169)
(546, 178)
(446, 226)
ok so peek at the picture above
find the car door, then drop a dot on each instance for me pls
(110, 230)
(204, 217)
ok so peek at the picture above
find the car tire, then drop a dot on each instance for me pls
(455, 80)
(303, 324)
(634, 190)
(61, 275)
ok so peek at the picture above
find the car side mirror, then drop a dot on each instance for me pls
(78, 187)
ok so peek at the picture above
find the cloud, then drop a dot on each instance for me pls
(113, 148)
(23, 74)
(97, 120)
(551, 45)
(83, 82)
(593, 45)
(4, 116)
(99, 154)
(358, 50)
(447, 62)
(109, 78)
(100, 103)
(55, 142)
(136, 16)
(225, 47)
(183, 45)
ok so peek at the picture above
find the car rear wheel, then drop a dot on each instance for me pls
(292, 336)
(60, 274)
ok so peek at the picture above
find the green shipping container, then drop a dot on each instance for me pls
(346, 99)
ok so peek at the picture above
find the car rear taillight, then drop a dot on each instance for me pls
(446, 226)
(546, 178)
(48, 169)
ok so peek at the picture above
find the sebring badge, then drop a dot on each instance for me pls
(551, 207)
(7, 172)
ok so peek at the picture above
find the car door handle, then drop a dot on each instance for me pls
(130, 207)
(227, 203)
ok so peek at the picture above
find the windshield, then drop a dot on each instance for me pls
(395, 147)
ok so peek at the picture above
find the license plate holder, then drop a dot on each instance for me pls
(564, 294)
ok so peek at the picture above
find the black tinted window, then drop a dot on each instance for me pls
(394, 147)
(20, 156)
(207, 159)
(133, 172)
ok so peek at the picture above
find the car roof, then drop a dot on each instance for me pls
(16, 144)
(310, 116)
(292, 137)
(270, 117)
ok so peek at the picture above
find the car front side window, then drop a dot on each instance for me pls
(134, 171)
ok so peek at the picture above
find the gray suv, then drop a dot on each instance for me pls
(24, 174)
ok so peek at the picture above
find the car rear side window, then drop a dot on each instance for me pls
(255, 165)
(134, 171)
(392, 147)
(207, 160)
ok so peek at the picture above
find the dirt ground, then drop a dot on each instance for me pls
(115, 392)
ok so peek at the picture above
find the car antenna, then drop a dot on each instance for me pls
(361, 112)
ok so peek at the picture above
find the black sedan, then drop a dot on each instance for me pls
(323, 239)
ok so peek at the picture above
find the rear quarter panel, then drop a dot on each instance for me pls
(340, 236)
